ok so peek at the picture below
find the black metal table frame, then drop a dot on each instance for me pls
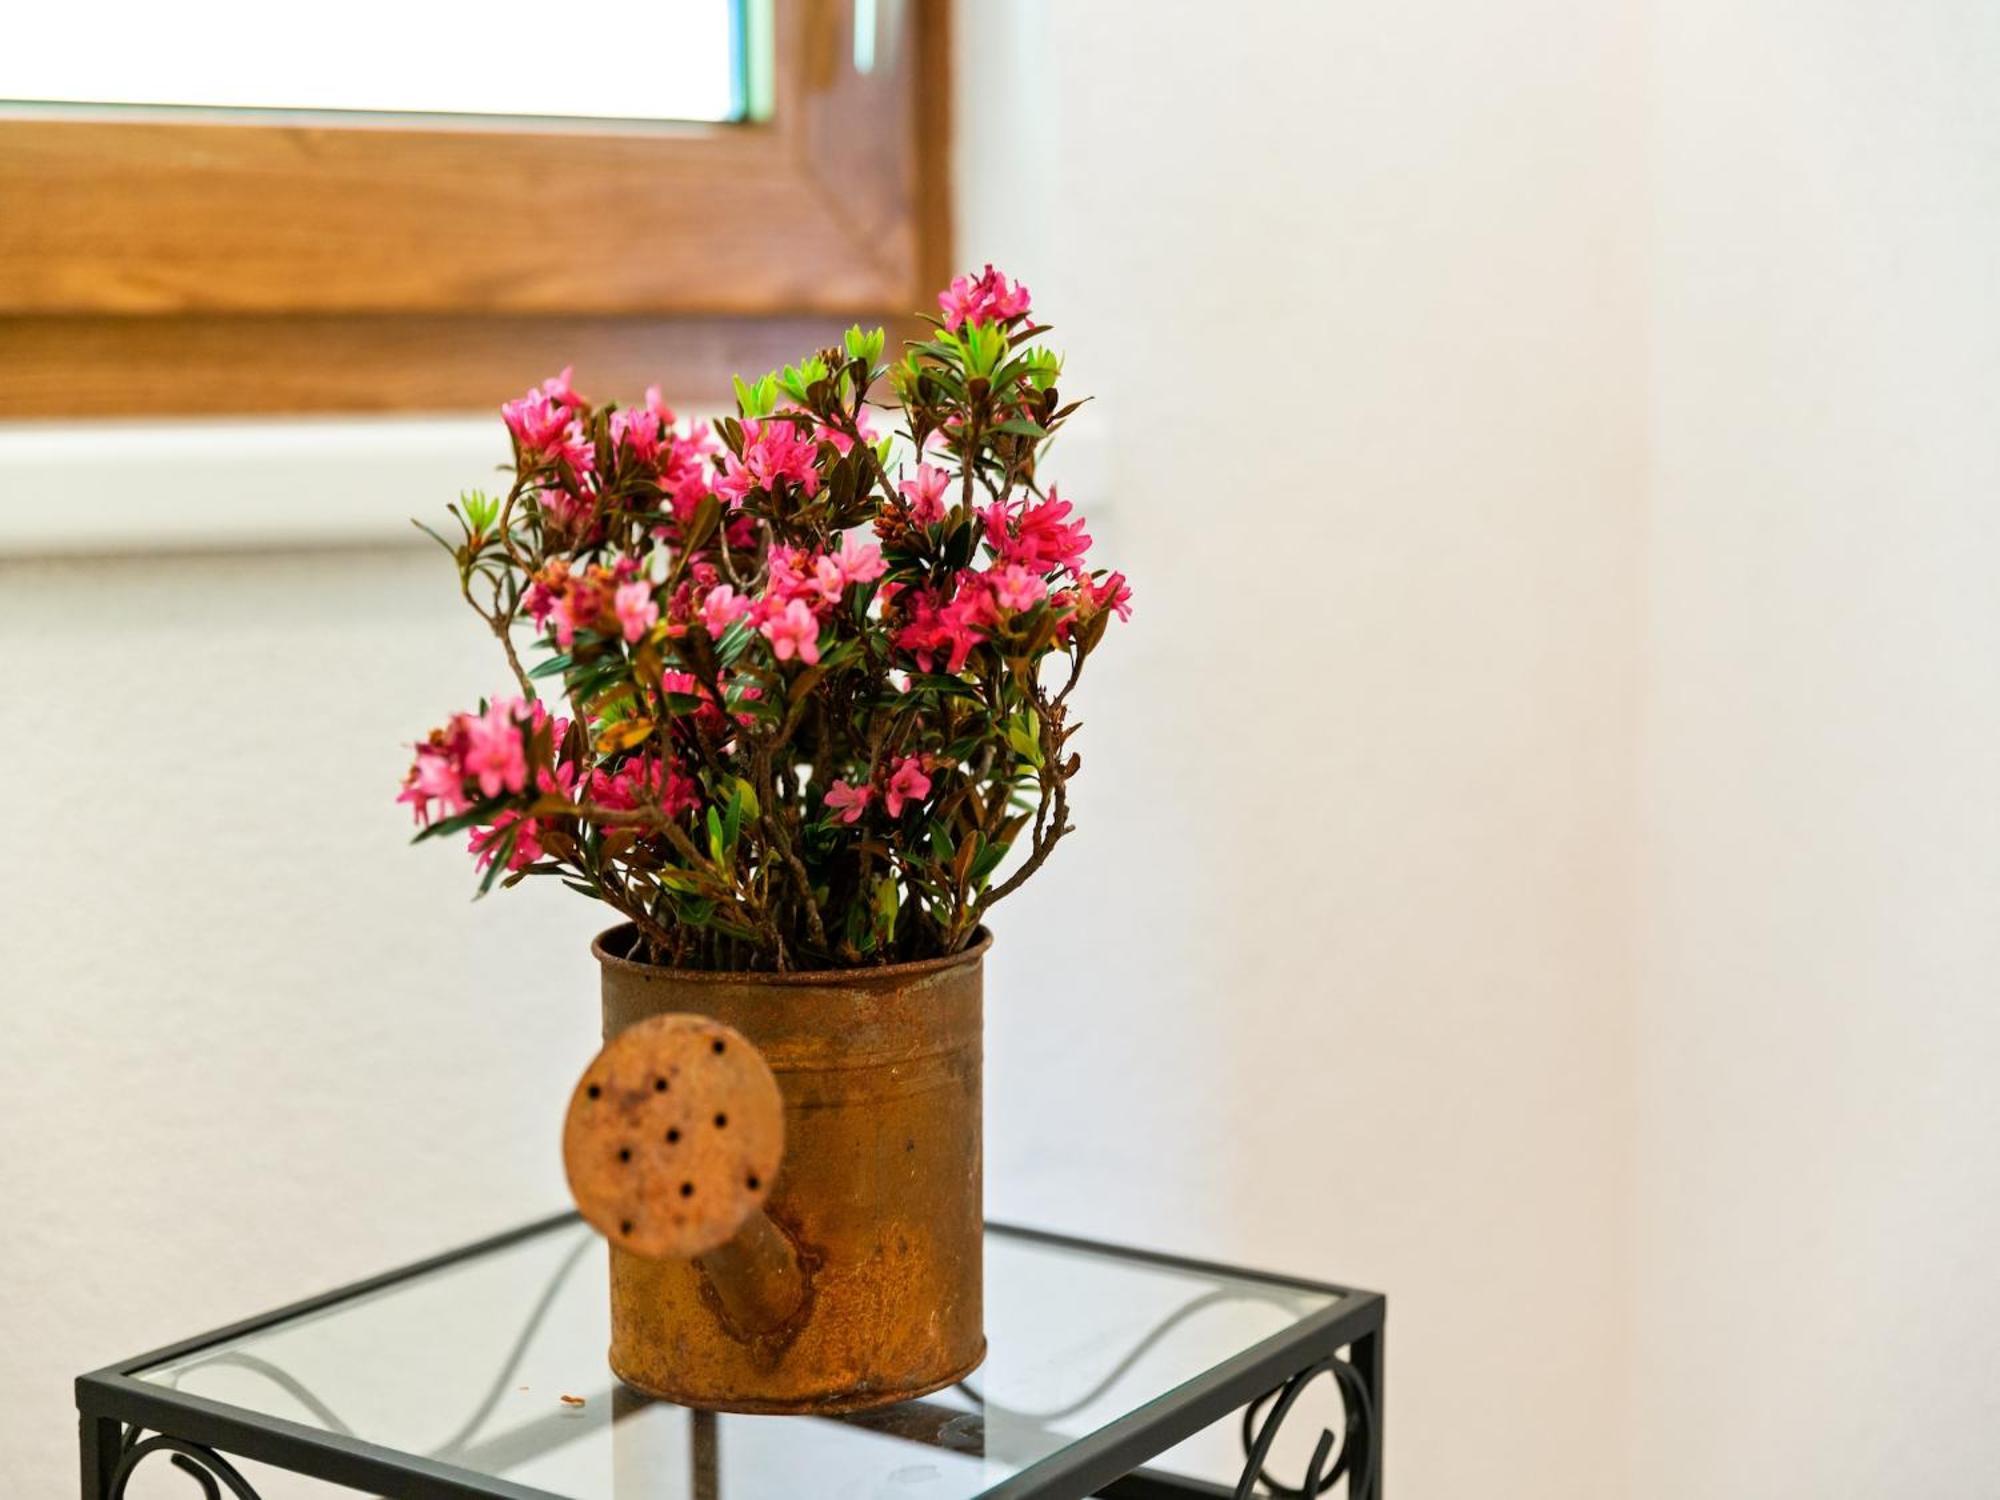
(124, 1420)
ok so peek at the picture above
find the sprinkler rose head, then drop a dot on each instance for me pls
(673, 1137)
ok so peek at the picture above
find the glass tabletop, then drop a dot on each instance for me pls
(495, 1363)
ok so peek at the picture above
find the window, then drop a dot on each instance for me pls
(391, 56)
(394, 239)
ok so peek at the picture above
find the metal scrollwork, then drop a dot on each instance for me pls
(205, 1466)
(1356, 1445)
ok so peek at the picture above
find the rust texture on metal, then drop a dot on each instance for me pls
(673, 1136)
(859, 1283)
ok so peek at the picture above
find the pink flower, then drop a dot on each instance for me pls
(1036, 535)
(860, 560)
(540, 419)
(790, 569)
(908, 784)
(558, 388)
(1014, 587)
(636, 610)
(797, 574)
(849, 801)
(925, 492)
(485, 843)
(437, 775)
(954, 628)
(540, 602)
(579, 601)
(793, 631)
(637, 432)
(566, 508)
(985, 298)
(494, 753)
(639, 780)
(685, 495)
(1112, 593)
(647, 433)
(722, 608)
(683, 454)
(488, 749)
(827, 579)
(773, 451)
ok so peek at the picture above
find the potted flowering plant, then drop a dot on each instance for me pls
(794, 701)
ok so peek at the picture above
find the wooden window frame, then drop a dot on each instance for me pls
(160, 265)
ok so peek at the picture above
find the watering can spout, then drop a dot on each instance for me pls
(757, 1276)
(674, 1136)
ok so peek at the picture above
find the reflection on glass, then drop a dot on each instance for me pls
(664, 60)
(470, 1365)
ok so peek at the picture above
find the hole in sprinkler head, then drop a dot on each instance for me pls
(659, 1085)
(673, 1135)
(594, 1092)
(752, 1182)
(687, 1190)
(719, 1046)
(624, 1153)
(721, 1120)
(624, 1226)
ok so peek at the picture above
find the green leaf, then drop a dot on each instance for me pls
(701, 525)
(1043, 367)
(864, 347)
(798, 380)
(987, 861)
(1023, 739)
(756, 401)
(887, 901)
(472, 817)
(502, 851)
(735, 640)
(985, 348)
(732, 820)
(950, 687)
(481, 509)
(451, 547)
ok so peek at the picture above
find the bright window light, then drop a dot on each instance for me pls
(666, 60)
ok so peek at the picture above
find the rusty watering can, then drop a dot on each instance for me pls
(787, 1168)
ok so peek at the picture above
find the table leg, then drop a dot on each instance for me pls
(97, 1443)
(1358, 1379)
(110, 1451)
(1366, 1357)
(704, 1454)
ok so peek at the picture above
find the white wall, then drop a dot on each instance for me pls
(1819, 1123)
(1358, 290)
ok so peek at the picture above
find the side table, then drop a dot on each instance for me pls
(480, 1375)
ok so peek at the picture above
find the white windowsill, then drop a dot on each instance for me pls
(69, 488)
